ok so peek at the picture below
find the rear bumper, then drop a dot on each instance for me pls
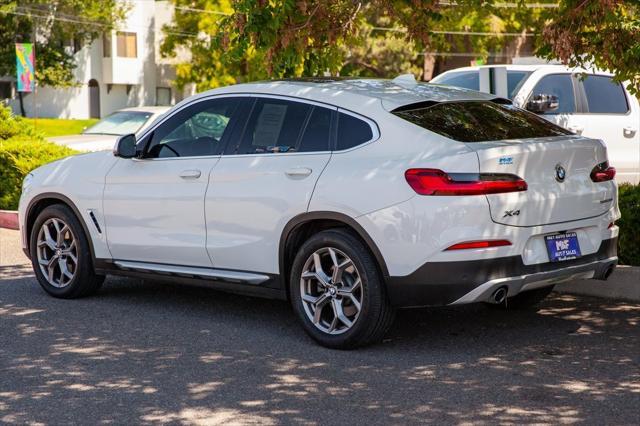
(460, 282)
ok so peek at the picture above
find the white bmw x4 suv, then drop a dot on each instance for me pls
(348, 197)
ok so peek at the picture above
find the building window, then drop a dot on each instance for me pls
(106, 45)
(5, 89)
(127, 45)
(163, 96)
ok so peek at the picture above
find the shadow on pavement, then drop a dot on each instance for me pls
(142, 352)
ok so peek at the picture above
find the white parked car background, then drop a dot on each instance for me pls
(102, 136)
(589, 103)
(348, 197)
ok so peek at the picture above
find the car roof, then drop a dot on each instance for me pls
(152, 109)
(355, 93)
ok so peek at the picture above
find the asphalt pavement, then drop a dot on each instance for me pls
(144, 352)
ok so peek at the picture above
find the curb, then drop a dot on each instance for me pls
(623, 284)
(9, 219)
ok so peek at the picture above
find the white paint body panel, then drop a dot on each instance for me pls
(250, 200)
(79, 178)
(152, 214)
(546, 200)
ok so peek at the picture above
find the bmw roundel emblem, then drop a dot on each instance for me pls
(561, 173)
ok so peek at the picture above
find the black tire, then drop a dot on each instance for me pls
(85, 281)
(524, 300)
(376, 315)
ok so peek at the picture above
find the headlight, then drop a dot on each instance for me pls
(27, 181)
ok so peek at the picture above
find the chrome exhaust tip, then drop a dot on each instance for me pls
(499, 296)
(607, 273)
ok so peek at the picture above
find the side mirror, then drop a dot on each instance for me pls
(125, 146)
(543, 103)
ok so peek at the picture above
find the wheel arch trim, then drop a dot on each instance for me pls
(62, 199)
(303, 218)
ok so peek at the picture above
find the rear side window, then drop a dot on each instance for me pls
(352, 131)
(274, 126)
(480, 121)
(465, 79)
(278, 126)
(604, 96)
(317, 132)
(561, 86)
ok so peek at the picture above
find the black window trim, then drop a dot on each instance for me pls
(578, 100)
(582, 93)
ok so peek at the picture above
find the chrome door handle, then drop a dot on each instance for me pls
(190, 174)
(298, 172)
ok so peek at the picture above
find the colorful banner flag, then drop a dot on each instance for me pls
(25, 59)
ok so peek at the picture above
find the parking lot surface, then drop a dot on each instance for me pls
(151, 352)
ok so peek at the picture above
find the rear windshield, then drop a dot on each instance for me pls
(479, 121)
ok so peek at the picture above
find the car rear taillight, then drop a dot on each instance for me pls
(437, 182)
(479, 244)
(603, 172)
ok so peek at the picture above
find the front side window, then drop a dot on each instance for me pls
(604, 96)
(197, 130)
(560, 85)
(127, 44)
(279, 126)
(480, 121)
(119, 123)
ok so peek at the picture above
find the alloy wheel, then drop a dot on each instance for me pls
(57, 252)
(331, 290)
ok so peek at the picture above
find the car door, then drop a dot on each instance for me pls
(265, 178)
(154, 205)
(563, 86)
(612, 115)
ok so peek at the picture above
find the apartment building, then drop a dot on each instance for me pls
(120, 69)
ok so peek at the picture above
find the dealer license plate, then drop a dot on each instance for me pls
(563, 246)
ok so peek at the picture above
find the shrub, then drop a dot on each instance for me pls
(18, 156)
(22, 149)
(12, 126)
(629, 239)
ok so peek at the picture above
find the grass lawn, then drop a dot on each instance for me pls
(59, 127)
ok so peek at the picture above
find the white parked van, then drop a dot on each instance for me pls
(594, 106)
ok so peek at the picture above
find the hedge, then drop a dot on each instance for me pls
(629, 223)
(22, 149)
(18, 156)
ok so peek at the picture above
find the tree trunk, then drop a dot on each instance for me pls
(428, 67)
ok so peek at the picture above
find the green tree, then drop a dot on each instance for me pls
(244, 40)
(58, 28)
(604, 33)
